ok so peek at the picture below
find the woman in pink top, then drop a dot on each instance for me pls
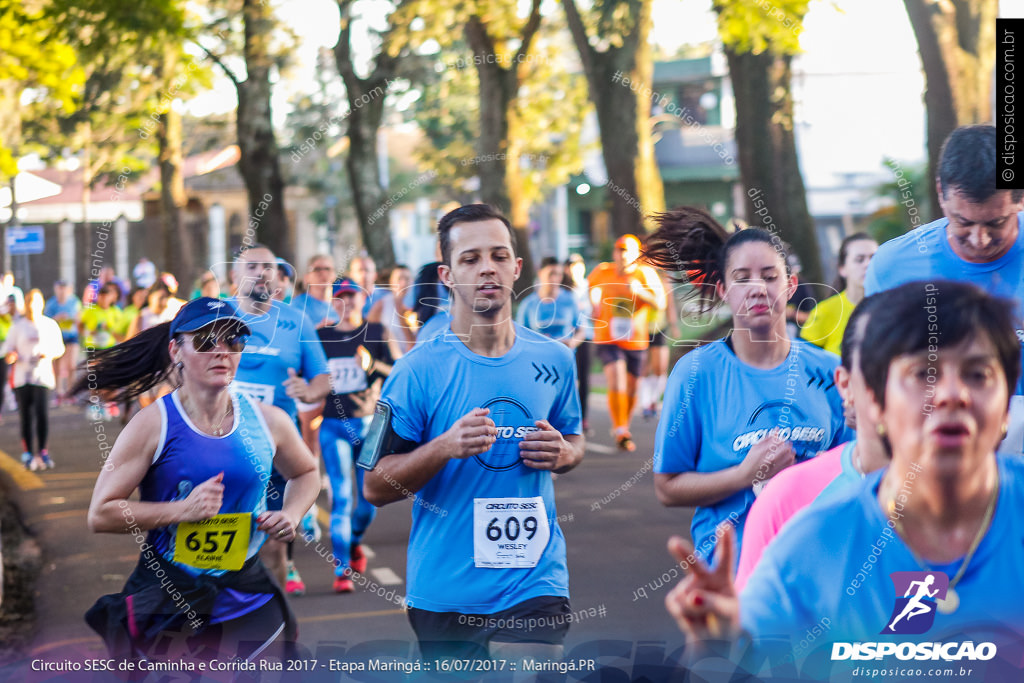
(798, 486)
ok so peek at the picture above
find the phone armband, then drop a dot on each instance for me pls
(381, 439)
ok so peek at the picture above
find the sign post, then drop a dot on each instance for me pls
(26, 240)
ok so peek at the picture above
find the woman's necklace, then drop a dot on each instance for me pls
(219, 429)
(951, 602)
(856, 460)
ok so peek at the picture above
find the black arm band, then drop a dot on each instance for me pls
(381, 439)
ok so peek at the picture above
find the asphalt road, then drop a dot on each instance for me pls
(614, 527)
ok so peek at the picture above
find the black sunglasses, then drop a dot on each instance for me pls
(207, 342)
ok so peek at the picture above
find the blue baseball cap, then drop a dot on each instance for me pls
(345, 285)
(285, 268)
(203, 311)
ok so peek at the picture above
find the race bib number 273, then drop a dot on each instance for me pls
(261, 393)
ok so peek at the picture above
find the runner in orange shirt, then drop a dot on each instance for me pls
(622, 293)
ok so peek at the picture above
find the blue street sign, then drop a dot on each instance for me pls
(25, 240)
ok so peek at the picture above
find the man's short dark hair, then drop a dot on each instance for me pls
(470, 213)
(246, 247)
(968, 164)
(548, 261)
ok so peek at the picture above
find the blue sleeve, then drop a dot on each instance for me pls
(402, 392)
(568, 302)
(299, 304)
(777, 603)
(841, 433)
(314, 360)
(579, 319)
(566, 415)
(873, 278)
(521, 314)
(678, 438)
(767, 605)
(50, 307)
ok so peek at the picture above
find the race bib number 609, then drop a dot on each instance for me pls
(509, 533)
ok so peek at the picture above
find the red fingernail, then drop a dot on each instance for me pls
(698, 601)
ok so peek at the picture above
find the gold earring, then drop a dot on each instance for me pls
(848, 404)
(1006, 429)
(880, 430)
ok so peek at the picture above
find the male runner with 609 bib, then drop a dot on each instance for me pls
(494, 410)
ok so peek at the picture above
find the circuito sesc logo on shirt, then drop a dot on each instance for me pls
(513, 421)
(789, 421)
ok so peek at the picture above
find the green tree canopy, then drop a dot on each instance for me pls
(37, 63)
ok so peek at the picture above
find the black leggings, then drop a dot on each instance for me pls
(254, 635)
(583, 374)
(249, 636)
(33, 401)
(4, 368)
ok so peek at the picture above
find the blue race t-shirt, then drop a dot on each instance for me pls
(283, 338)
(245, 455)
(716, 407)
(848, 476)
(925, 254)
(833, 561)
(71, 308)
(437, 324)
(317, 311)
(556, 319)
(485, 534)
(373, 297)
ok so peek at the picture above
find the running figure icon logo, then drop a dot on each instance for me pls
(914, 613)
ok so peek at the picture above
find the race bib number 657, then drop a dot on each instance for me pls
(220, 542)
(509, 533)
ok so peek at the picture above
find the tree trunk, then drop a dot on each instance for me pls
(650, 190)
(497, 91)
(619, 82)
(620, 145)
(10, 137)
(519, 206)
(179, 248)
(369, 196)
(769, 166)
(498, 155)
(366, 110)
(957, 43)
(87, 178)
(260, 161)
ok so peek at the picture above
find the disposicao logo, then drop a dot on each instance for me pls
(913, 613)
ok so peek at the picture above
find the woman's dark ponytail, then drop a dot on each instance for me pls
(688, 242)
(692, 244)
(128, 369)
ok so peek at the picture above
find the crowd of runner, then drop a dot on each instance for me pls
(794, 445)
